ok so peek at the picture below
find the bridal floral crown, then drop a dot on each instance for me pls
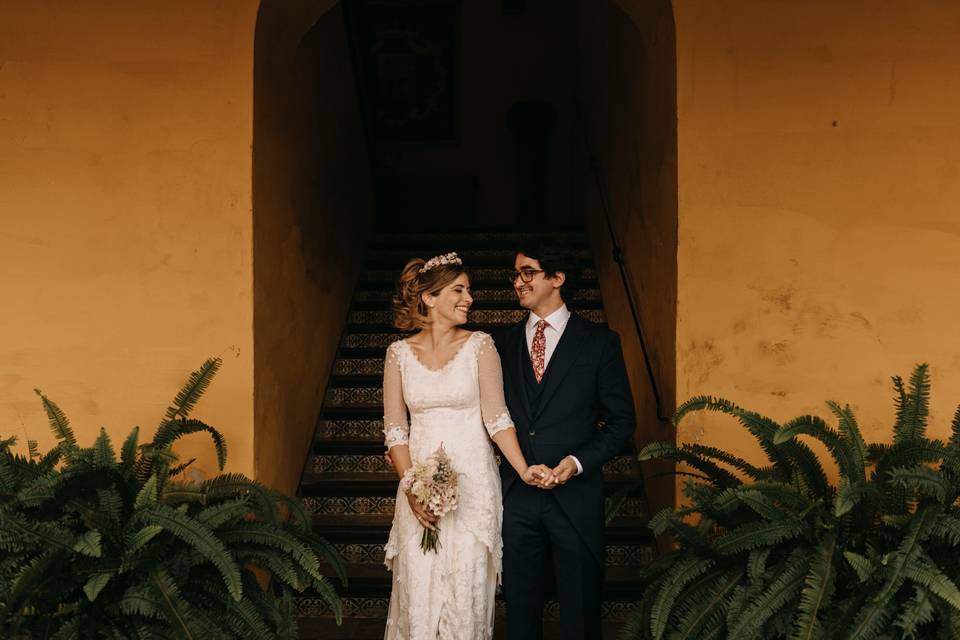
(436, 261)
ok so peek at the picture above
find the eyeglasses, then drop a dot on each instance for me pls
(526, 275)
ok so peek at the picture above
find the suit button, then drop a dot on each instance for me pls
(532, 432)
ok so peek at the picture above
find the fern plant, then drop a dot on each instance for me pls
(777, 551)
(96, 545)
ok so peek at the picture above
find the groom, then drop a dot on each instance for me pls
(561, 373)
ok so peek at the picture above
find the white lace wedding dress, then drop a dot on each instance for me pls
(448, 594)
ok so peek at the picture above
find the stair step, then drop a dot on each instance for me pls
(492, 275)
(472, 257)
(422, 244)
(356, 338)
(368, 458)
(384, 317)
(370, 501)
(383, 293)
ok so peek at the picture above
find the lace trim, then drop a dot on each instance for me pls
(499, 423)
(394, 435)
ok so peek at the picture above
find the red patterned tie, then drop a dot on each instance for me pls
(538, 350)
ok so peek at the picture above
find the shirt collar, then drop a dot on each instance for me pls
(557, 320)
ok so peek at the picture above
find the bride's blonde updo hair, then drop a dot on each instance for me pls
(409, 310)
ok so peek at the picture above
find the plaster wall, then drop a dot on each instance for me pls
(125, 215)
(627, 94)
(819, 241)
(313, 214)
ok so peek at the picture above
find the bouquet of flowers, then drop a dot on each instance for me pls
(433, 483)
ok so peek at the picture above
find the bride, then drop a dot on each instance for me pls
(449, 380)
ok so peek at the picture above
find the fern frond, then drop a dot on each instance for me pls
(849, 496)
(917, 612)
(274, 537)
(757, 534)
(59, 424)
(128, 452)
(168, 598)
(850, 430)
(716, 474)
(817, 590)
(912, 406)
(782, 590)
(232, 484)
(96, 583)
(751, 471)
(172, 431)
(878, 610)
(846, 457)
(862, 566)
(760, 503)
(191, 392)
(682, 573)
(704, 603)
(103, 455)
(928, 575)
(920, 478)
(201, 539)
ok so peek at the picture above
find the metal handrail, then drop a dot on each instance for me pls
(618, 257)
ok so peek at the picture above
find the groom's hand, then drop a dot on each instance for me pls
(565, 470)
(539, 475)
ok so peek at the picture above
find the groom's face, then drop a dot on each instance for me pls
(540, 289)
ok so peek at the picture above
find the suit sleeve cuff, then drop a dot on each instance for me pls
(579, 466)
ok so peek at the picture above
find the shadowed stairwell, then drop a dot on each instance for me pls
(350, 489)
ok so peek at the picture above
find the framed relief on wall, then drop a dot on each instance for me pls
(409, 56)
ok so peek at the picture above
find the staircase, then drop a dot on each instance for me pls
(347, 484)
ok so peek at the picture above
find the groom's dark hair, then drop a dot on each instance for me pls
(554, 257)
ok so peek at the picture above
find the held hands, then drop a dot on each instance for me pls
(565, 470)
(539, 475)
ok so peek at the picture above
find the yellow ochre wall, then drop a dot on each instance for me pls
(819, 236)
(125, 226)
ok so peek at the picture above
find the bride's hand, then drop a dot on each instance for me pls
(538, 475)
(423, 515)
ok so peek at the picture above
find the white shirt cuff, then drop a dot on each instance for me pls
(579, 466)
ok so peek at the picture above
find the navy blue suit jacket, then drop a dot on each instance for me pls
(585, 380)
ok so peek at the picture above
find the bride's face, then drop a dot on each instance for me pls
(452, 303)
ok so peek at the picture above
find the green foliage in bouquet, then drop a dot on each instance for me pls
(777, 551)
(93, 545)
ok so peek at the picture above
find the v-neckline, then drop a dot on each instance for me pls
(445, 364)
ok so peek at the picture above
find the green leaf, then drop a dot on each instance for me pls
(88, 544)
(817, 590)
(862, 566)
(59, 425)
(848, 496)
(921, 478)
(147, 495)
(191, 392)
(103, 455)
(95, 584)
(128, 452)
(781, 591)
(917, 612)
(683, 572)
(201, 539)
(715, 473)
(757, 534)
(928, 575)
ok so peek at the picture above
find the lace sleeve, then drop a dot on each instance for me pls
(395, 428)
(493, 407)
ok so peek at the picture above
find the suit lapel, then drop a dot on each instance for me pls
(566, 353)
(513, 370)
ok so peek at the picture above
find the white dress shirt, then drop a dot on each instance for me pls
(557, 322)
